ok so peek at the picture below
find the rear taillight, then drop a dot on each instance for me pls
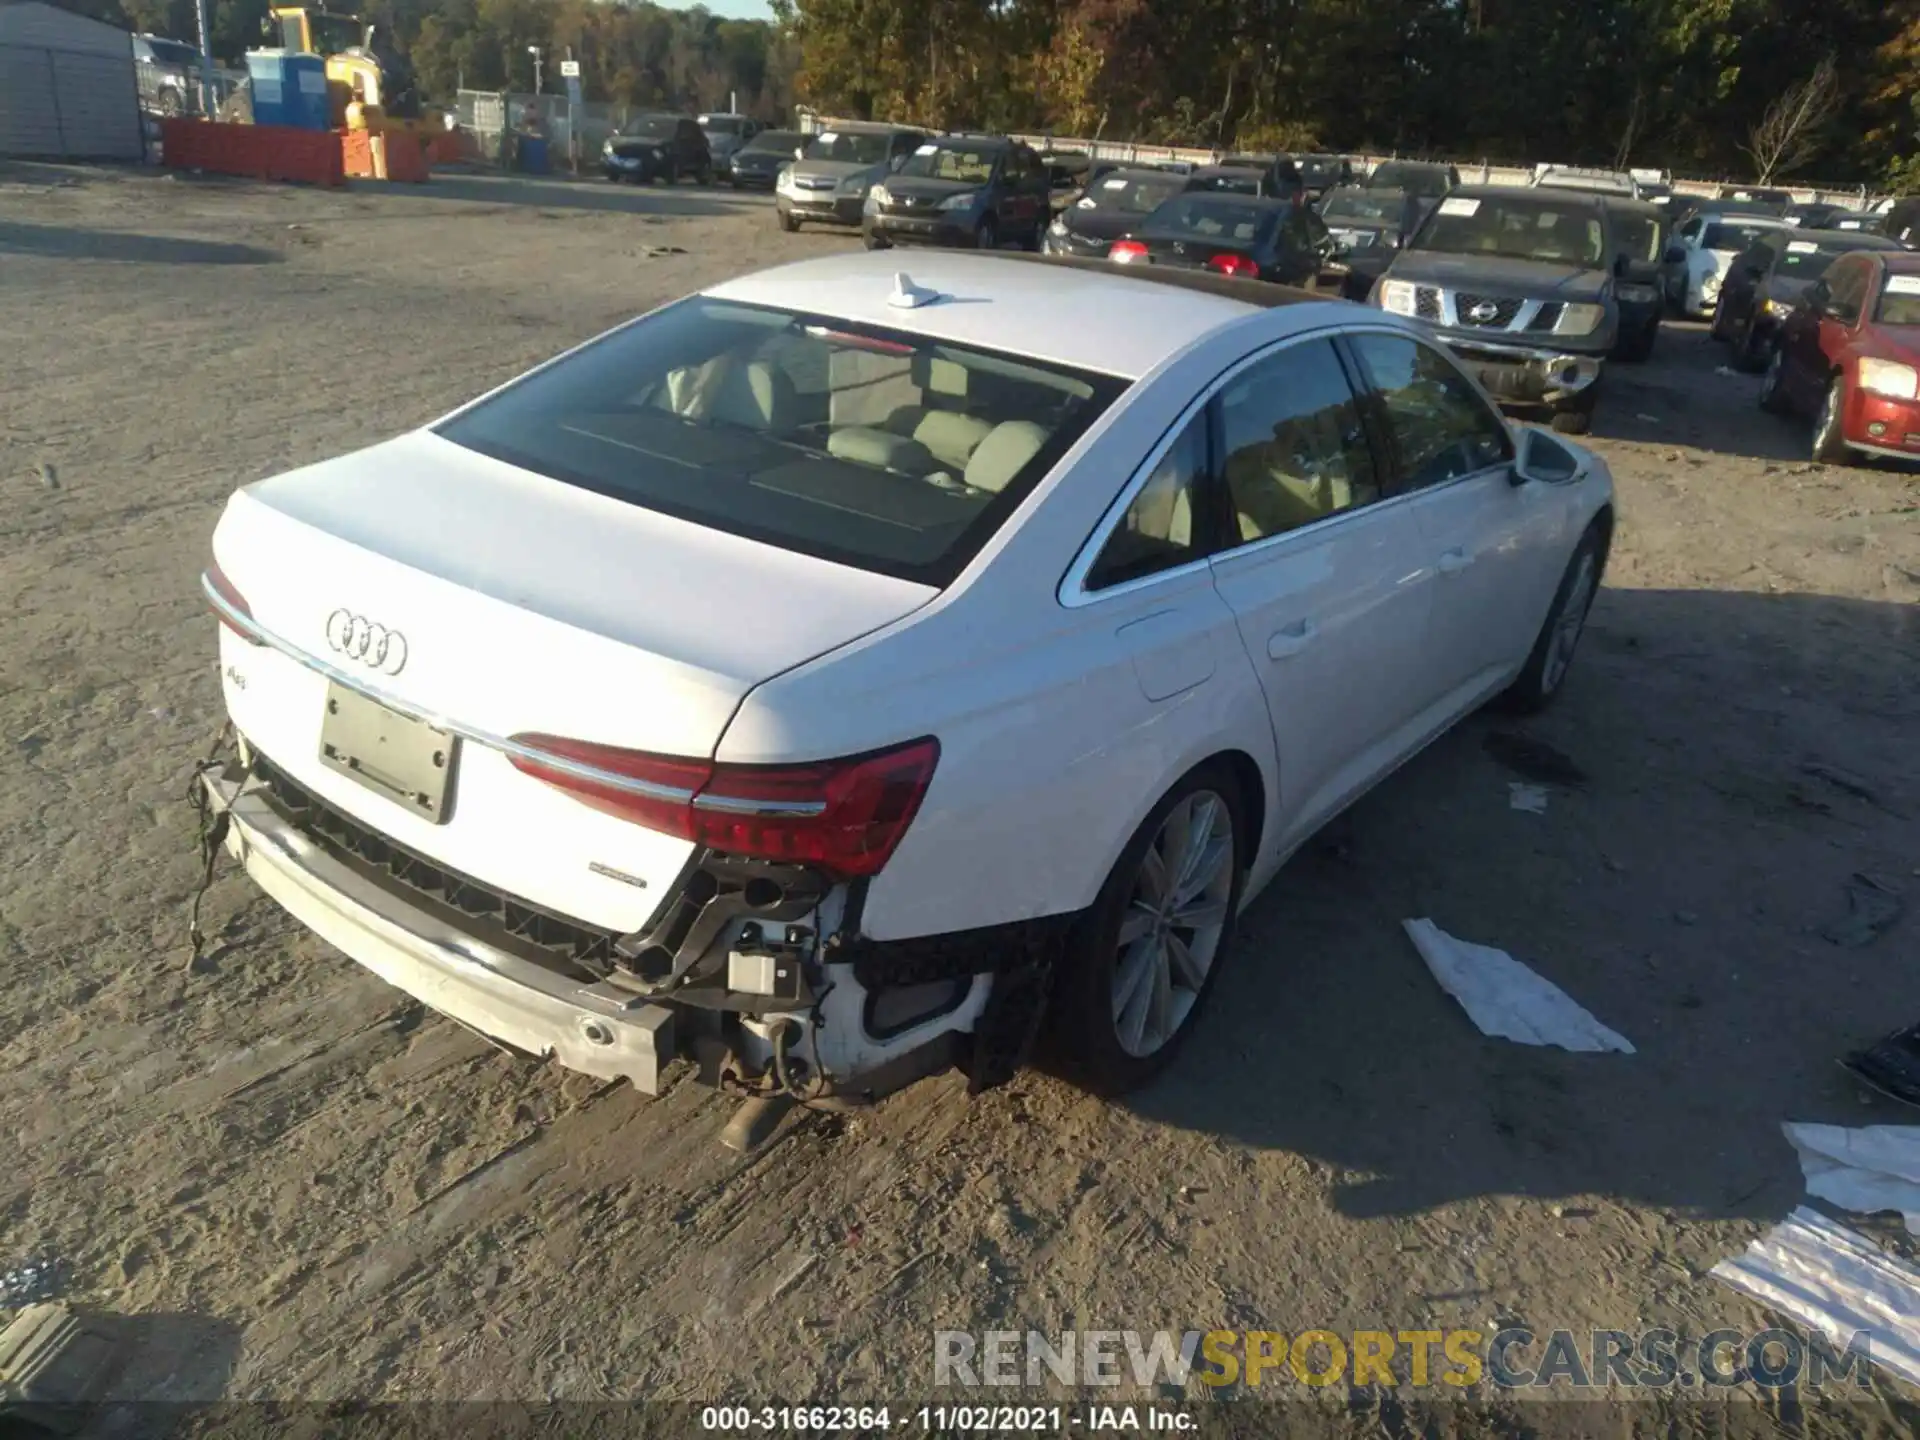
(1234, 265)
(1125, 252)
(844, 816)
(226, 601)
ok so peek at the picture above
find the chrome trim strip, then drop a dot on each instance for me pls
(573, 769)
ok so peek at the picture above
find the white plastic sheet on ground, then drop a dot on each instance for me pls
(1505, 998)
(1829, 1279)
(1868, 1170)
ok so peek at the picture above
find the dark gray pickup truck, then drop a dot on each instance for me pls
(1520, 284)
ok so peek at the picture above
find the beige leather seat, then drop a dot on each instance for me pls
(1003, 454)
(756, 397)
(1273, 487)
(881, 449)
(939, 422)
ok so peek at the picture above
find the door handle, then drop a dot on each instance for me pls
(1291, 641)
(1454, 561)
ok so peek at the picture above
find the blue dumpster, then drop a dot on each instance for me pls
(533, 154)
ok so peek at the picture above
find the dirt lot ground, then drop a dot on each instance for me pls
(306, 1187)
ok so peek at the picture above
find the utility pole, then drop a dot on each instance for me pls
(533, 50)
(206, 60)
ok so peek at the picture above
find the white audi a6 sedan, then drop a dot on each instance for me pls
(834, 675)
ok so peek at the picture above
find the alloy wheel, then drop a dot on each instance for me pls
(1568, 624)
(1171, 930)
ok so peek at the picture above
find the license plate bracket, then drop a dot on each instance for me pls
(407, 760)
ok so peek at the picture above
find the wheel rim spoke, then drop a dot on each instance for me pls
(1191, 969)
(1171, 929)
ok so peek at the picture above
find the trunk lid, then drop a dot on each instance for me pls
(522, 604)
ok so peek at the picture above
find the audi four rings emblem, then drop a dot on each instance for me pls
(374, 646)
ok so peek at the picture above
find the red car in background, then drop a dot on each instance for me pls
(1850, 355)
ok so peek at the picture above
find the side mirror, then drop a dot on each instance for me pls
(1676, 255)
(1540, 458)
(1620, 267)
(799, 152)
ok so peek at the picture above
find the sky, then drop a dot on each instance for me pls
(732, 9)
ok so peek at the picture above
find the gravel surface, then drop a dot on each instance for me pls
(309, 1187)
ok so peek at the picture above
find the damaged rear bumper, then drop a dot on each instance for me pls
(593, 1028)
(733, 975)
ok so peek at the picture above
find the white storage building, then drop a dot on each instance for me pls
(67, 86)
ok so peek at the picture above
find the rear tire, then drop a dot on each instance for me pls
(788, 223)
(1573, 422)
(875, 242)
(1773, 399)
(1122, 1008)
(1718, 329)
(1541, 678)
(1750, 352)
(1829, 438)
(987, 237)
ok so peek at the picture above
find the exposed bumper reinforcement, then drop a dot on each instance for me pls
(598, 1029)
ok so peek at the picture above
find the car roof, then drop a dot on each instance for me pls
(972, 137)
(867, 127)
(1745, 217)
(1085, 314)
(1902, 261)
(1627, 205)
(1597, 199)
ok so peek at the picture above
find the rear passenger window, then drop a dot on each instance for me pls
(1292, 444)
(1441, 427)
(1161, 528)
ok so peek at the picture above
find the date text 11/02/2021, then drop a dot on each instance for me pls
(946, 1419)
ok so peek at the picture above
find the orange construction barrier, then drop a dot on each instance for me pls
(405, 160)
(258, 152)
(392, 156)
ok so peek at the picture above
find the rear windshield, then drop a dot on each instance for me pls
(1729, 235)
(1804, 259)
(173, 52)
(952, 160)
(652, 127)
(1209, 217)
(854, 147)
(783, 142)
(873, 448)
(1130, 194)
(1376, 206)
(1423, 180)
(1899, 301)
(1522, 227)
(1230, 182)
(1317, 169)
(721, 124)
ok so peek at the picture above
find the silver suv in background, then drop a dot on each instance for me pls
(828, 184)
(168, 72)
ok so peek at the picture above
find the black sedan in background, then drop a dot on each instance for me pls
(756, 164)
(1769, 279)
(1366, 227)
(658, 147)
(1321, 173)
(1240, 235)
(1111, 209)
(1274, 176)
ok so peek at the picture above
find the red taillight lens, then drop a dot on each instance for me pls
(844, 816)
(226, 602)
(1127, 251)
(1234, 265)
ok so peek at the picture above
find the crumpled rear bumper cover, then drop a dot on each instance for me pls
(594, 1028)
(619, 1028)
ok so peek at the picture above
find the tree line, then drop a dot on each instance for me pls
(1687, 85)
(1821, 89)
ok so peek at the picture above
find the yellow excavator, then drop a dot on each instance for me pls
(361, 65)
